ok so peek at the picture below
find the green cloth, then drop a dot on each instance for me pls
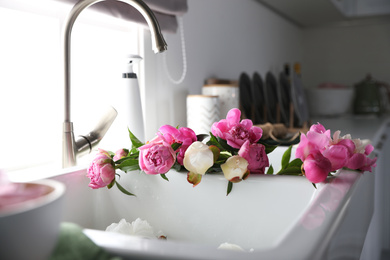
(73, 244)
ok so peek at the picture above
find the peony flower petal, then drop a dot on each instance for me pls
(357, 161)
(318, 139)
(246, 124)
(368, 149)
(233, 116)
(316, 167)
(338, 155)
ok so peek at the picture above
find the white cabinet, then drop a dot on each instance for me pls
(308, 13)
(377, 244)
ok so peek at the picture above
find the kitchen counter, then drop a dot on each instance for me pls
(363, 127)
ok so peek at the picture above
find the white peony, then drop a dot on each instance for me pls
(229, 246)
(198, 158)
(139, 227)
(235, 168)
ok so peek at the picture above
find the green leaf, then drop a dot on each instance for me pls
(226, 146)
(221, 144)
(123, 190)
(129, 164)
(213, 169)
(270, 170)
(177, 167)
(134, 140)
(215, 151)
(128, 157)
(290, 171)
(109, 186)
(223, 156)
(286, 157)
(164, 177)
(229, 188)
(175, 146)
(213, 141)
(269, 148)
(295, 163)
(134, 151)
(314, 185)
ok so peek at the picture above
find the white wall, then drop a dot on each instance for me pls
(345, 54)
(223, 39)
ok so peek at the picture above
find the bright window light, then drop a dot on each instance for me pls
(31, 80)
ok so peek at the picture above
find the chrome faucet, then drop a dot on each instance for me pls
(71, 147)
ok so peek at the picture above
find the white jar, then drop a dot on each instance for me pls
(228, 96)
(202, 112)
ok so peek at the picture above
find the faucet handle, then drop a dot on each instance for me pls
(85, 143)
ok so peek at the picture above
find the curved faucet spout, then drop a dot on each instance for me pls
(70, 149)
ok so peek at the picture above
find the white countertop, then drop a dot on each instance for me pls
(363, 127)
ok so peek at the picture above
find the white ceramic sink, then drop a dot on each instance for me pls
(270, 217)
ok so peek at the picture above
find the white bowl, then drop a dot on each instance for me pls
(329, 102)
(30, 228)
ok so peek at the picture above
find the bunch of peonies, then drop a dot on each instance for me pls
(245, 155)
(322, 154)
(234, 149)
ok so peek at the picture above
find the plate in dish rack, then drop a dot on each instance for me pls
(258, 98)
(271, 96)
(299, 99)
(246, 100)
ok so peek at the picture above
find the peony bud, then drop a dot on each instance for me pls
(121, 153)
(198, 158)
(235, 168)
(101, 170)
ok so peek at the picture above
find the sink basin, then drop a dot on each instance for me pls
(270, 217)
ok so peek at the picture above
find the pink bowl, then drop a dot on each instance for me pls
(30, 219)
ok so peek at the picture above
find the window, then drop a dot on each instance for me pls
(31, 79)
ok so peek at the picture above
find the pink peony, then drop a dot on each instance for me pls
(317, 138)
(156, 157)
(184, 136)
(358, 152)
(316, 167)
(236, 132)
(121, 153)
(255, 155)
(317, 145)
(101, 171)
